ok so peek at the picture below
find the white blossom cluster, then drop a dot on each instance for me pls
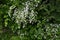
(52, 30)
(23, 15)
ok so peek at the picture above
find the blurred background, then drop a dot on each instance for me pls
(29, 19)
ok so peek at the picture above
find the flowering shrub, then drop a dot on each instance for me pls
(29, 20)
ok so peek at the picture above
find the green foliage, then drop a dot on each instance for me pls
(29, 19)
